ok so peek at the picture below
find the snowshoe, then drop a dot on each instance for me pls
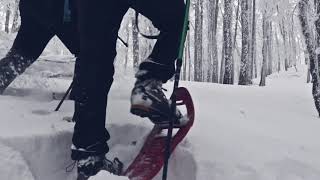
(150, 159)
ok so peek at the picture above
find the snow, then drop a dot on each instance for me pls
(13, 165)
(103, 175)
(240, 132)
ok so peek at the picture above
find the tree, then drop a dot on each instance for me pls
(7, 21)
(245, 64)
(311, 47)
(212, 42)
(227, 43)
(15, 24)
(198, 41)
(264, 49)
(135, 43)
(253, 47)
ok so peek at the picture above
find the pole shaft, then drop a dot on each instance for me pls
(173, 97)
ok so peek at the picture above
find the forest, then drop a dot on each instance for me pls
(249, 93)
(229, 41)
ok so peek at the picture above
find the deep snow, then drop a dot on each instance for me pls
(240, 133)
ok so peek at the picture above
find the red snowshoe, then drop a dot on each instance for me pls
(150, 160)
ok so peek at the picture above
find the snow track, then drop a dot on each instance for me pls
(46, 156)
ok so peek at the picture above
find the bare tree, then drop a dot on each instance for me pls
(270, 48)
(311, 47)
(127, 54)
(15, 23)
(234, 44)
(212, 42)
(135, 44)
(253, 47)
(264, 49)
(227, 43)
(308, 65)
(7, 21)
(198, 50)
(244, 67)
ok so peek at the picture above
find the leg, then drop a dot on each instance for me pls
(168, 17)
(147, 99)
(99, 22)
(27, 47)
(68, 34)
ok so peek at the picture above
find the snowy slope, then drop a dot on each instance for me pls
(240, 133)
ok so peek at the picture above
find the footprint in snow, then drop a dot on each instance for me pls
(41, 112)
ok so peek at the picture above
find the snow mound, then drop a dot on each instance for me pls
(103, 175)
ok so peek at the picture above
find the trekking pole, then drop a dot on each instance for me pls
(64, 97)
(176, 85)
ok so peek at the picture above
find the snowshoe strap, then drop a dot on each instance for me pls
(115, 167)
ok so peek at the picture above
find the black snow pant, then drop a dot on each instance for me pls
(40, 21)
(99, 22)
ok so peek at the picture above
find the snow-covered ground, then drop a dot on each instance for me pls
(240, 133)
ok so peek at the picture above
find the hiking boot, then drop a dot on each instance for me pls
(90, 160)
(149, 100)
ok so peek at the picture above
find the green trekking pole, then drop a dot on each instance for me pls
(176, 85)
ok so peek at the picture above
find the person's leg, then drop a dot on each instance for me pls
(148, 99)
(27, 47)
(98, 22)
(168, 17)
(68, 35)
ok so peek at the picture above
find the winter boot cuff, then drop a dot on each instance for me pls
(98, 149)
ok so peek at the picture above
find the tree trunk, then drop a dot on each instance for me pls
(308, 66)
(253, 39)
(127, 54)
(7, 21)
(15, 24)
(270, 49)
(278, 50)
(135, 44)
(185, 71)
(234, 44)
(222, 65)
(212, 44)
(293, 43)
(285, 44)
(309, 40)
(227, 38)
(317, 24)
(198, 41)
(264, 50)
(245, 65)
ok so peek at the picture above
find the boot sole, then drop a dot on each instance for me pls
(143, 112)
(140, 111)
